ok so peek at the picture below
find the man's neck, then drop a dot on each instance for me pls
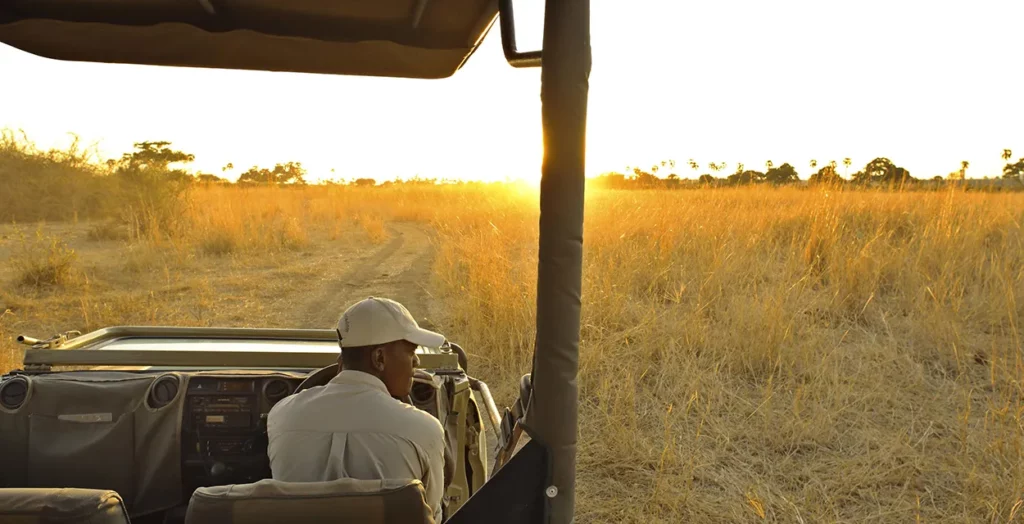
(371, 372)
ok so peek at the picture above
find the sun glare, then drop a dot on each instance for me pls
(807, 90)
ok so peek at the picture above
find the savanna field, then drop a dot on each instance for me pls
(748, 354)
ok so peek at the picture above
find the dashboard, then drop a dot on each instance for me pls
(154, 436)
(156, 412)
(223, 428)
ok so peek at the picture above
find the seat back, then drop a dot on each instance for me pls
(337, 501)
(61, 506)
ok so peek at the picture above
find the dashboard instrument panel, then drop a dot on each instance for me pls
(223, 437)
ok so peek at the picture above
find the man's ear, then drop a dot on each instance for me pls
(377, 358)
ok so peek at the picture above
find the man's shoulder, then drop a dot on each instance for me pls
(421, 419)
(408, 422)
(382, 413)
(417, 424)
(291, 402)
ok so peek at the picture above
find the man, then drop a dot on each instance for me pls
(354, 427)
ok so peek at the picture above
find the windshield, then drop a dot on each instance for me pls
(215, 344)
(225, 344)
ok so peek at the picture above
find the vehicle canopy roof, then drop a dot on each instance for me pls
(397, 38)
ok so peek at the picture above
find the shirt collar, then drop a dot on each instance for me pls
(351, 377)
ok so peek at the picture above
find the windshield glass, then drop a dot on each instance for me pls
(217, 344)
(225, 344)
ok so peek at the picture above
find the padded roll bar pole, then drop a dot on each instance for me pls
(552, 413)
(489, 406)
(514, 57)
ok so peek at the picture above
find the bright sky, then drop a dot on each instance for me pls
(927, 84)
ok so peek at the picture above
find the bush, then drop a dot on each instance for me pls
(218, 242)
(108, 230)
(152, 203)
(45, 261)
(51, 185)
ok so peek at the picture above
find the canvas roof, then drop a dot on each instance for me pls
(396, 38)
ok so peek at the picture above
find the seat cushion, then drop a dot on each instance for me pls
(61, 505)
(338, 501)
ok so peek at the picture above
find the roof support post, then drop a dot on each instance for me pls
(552, 413)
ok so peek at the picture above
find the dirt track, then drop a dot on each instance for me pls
(308, 288)
(398, 269)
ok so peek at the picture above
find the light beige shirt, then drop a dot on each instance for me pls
(352, 428)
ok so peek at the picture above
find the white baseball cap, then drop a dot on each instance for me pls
(377, 321)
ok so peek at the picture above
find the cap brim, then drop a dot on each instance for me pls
(425, 338)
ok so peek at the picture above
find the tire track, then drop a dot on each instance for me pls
(399, 270)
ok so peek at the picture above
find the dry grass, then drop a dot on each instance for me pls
(109, 230)
(784, 355)
(747, 355)
(43, 260)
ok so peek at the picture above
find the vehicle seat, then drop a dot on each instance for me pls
(337, 501)
(61, 505)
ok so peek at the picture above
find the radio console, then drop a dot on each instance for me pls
(224, 439)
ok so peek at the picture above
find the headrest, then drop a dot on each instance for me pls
(61, 505)
(338, 501)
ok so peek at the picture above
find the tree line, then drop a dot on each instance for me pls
(878, 172)
(881, 171)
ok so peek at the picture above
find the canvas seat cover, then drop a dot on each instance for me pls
(337, 501)
(61, 506)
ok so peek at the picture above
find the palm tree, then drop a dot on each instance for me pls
(739, 167)
(963, 169)
(1007, 155)
(814, 164)
(846, 164)
(769, 165)
(694, 166)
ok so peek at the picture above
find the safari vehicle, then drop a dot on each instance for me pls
(165, 424)
(201, 396)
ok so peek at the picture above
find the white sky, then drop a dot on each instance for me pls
(927, 84)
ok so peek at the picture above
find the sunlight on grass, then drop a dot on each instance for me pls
(750, 353)
(844, 353)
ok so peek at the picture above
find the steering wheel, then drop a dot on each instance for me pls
(319, 377)
(324, 375)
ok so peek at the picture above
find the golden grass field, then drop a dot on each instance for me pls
(747, 355)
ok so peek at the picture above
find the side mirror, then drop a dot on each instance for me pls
(514, 57)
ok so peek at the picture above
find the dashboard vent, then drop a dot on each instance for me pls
(163, 391)
(276, 389)
(13, 393)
